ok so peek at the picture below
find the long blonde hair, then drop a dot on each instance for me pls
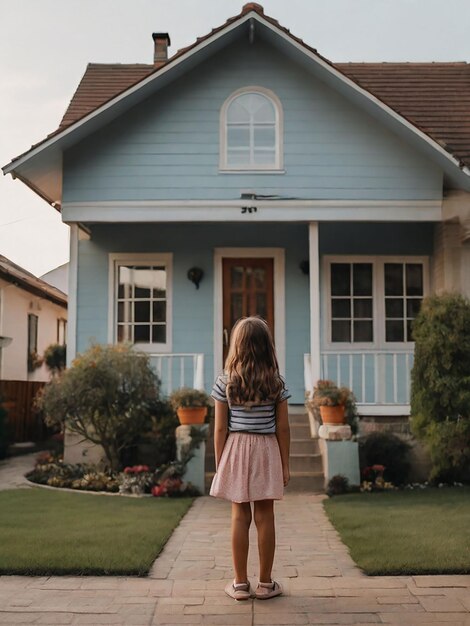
(251, 366)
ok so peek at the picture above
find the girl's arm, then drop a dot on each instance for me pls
(283, 437)
(220, 429)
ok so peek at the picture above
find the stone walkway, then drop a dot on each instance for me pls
(185, 585)
(12, 470)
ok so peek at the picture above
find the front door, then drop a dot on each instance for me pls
(247, 290)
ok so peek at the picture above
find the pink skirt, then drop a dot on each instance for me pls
(250, 468)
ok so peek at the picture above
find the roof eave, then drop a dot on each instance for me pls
(35, 290)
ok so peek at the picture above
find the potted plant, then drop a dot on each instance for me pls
(331, 401)
(190, 405)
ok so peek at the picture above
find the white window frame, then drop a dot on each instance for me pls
(117, 259)
(378, 300)
(277, 167)
(62, 330)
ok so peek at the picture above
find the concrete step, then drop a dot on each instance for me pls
(305, 463)
(304, 445)
(298, 419)
(305, 481)
(300, 431)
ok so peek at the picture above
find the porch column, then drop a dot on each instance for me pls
(314, 275)
(72, 295)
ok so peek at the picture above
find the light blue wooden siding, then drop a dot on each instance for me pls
(168, 146)
(193, 309)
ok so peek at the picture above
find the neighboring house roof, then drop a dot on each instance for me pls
(20, 277)
(437, 117)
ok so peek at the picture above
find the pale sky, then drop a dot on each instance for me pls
(45, 46)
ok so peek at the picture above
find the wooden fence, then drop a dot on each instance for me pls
(24, 422)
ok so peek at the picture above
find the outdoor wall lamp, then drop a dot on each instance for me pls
(305, 267)
(195, 275)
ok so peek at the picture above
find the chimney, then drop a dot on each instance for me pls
(161, 42)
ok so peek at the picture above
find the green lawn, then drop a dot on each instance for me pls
(46, 533)
(405, 532)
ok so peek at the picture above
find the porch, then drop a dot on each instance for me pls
(341, 297)
(380, 380)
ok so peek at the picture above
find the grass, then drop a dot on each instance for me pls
(46, 533)
(405, 532)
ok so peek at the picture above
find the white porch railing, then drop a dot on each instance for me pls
(377, 377)
(179, 370)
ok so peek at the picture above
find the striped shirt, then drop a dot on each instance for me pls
(258, 418)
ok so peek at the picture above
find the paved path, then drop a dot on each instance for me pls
(185, 585)
(12, 470)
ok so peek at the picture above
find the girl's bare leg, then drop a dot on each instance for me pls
(264, 520)
(241, 520)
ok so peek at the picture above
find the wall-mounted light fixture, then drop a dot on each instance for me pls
(305, 267)
(195, 275)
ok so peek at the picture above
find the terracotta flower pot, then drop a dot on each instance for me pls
(333, 414)
(192, 415)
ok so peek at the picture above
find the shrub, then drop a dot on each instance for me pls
(106, 396)
(156, 444)
(55, 358)
(387, 449)
(337, 485)
(449, 447)
(162, 432)
(440, 382)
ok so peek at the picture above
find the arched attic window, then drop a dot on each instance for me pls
(251, 131)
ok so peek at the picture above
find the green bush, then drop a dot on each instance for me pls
(337, 485)
(440, 383)
(55, 357)
(449, 447)
(158, 433)
(106, 396)
(387, 449)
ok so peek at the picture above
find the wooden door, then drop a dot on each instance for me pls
(247, 290)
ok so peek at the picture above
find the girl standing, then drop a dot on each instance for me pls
(251, 441)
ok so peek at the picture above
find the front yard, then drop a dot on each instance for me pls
(47, 533)
(406, 532)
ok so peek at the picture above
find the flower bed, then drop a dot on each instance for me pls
(166, 480)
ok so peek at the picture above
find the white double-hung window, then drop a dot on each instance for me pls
(371, 302)
(141, 307)
(251, 131)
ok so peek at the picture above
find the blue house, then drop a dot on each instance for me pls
(248, 174)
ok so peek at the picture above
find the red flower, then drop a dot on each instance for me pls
(378, 468)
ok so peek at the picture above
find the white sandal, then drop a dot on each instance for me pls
(238, 591)
(268, 590)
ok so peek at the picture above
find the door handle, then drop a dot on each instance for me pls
(225, 337)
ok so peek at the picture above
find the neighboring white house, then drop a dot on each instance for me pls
(33, 315)
(58, 277)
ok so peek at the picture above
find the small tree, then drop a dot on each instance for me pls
(106, 396)
(440, 383)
